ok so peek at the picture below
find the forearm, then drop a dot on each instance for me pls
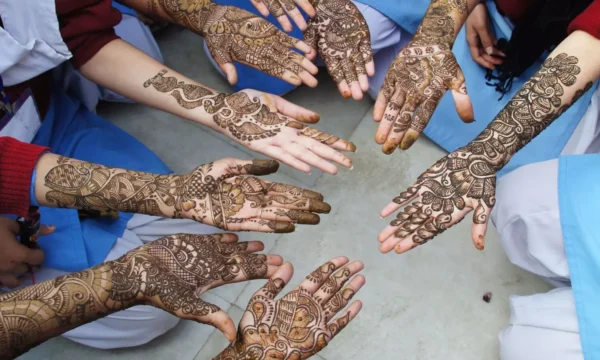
(39, 312)
(67, 183)
(191, 14)
(564, 77)
(442, 22)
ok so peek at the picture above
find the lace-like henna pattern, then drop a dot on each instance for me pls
(233, 34)
(295, 327)
(276, 7)
(202, 195)
(170, 273)
(467, 177)
(341, 34)
(246, 119)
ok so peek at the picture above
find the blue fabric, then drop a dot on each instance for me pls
(69, 129)
(32, 199)
(579, 203)
(447, 130)
(250, 78)
(124, 9)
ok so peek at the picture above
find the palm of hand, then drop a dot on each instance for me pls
(342, 36)
(235, 34)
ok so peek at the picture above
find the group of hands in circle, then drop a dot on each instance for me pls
(439, 198)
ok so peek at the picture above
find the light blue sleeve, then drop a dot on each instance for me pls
(32, 199)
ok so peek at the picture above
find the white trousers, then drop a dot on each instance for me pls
(542, 326)
(139, 324)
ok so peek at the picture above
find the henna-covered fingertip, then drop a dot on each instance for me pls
(263, 167)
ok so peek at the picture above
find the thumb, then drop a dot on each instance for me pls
(481, 218)
(464, 106)
(487, 40)
(207, 313)
(230, 72)
(251, 167)
(47, 229)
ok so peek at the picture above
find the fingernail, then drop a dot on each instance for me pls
(346, 94)
(470, 121)
(352, 147)
(351, 167)
(282, 228)
(489, 50)
(408, 141)
(319, 207)
(315, 118)
(263, 167)
(309, 219)
(312, 195)
(388, 150)
(480, 243)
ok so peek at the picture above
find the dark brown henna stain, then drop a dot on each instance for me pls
(262, 167)
(468, 175)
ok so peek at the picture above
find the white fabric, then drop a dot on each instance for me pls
(24, 123)
(30, 40)
(542, 326)
(139, 324)
(131, 30)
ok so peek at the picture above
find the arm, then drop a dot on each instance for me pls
(214, 193)
(262, 122)
(420, 76)
(465, 180)
(233, 34)
(170, 273)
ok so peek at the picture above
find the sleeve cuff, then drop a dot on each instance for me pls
(588, 20)
(17, 163)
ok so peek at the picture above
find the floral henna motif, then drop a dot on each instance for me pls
(170, 273)
(276, 7)
(341, 34)
(466, 178)
(203, 195)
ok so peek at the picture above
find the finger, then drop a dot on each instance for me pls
(215, 317)
(325, 152)
(363, 82)
(475, 48)
(274, 260)
(261, 7)
(481, 60)
(276, 283)
(361, 72)
(367, 52)
(343, 297)
(481, 217)
(401, 200)
(419, 122)
(275, 188)
(302, 46)
(342, 321)
(464, 107)
(344, 88)
(488, 40)
(298, 18)
(10, 281)
(286, 158)
(10, 225)
(401, 124)
(336, 281)
(323, 137)
(47, 229)
(306, 7)
(492, 59)
(230, 72)
(311, 205)
(311, 37)
(296, 112)
(254, 246)
(287, 215)
(284, 22)
(33, 256)
(385, 94)
(317, 278)
(234, 167)
(351, 78)
(227, 238)
(298, 59)
(20, 270)
(311, 158)
(407, 222)
(405, 215)
(392, 110)
(262, 226)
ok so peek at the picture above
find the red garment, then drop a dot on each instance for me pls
(86, 26)
(588, 21)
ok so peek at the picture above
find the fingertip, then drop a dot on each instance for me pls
(479, 242)
(230, 72)
(370, 68)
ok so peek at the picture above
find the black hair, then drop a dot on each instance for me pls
(541, 29)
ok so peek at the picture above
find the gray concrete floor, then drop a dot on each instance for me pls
(422, 305)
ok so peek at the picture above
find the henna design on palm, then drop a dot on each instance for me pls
(465, 180)
(298, 325)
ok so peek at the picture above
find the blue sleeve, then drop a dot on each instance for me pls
(32, 199)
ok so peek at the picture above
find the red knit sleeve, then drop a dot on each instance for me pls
(17, 161)
(86, 26)
(588, 21)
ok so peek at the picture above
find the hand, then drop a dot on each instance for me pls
(173, 272)
(341, 35)
(277, 7)
(234, 34)
(464, 180)
(481, 39)
(15, 258)
(217, 195)
(412, 89)
(300, 324)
